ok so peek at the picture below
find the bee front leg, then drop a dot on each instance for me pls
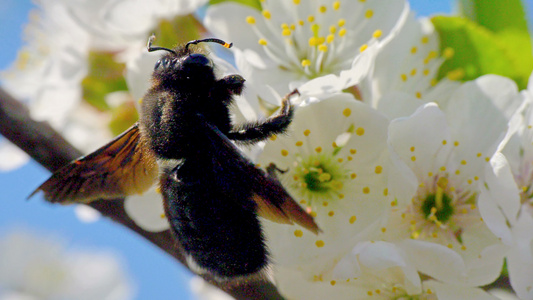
(253, 132)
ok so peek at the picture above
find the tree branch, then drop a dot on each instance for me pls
(45, 145)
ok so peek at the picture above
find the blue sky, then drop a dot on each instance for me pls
(154, 274)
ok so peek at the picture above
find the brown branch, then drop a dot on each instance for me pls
(45, 145)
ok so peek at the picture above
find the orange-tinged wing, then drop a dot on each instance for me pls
(286, 211)
(273, 202)
(123, 167)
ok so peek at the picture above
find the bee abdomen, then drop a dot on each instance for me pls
(220, 235)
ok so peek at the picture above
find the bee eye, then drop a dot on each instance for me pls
(157, 64)
(198, 59)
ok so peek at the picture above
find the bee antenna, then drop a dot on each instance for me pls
(152, 48)
(209, 40)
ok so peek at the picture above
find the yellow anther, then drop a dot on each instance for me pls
(250, 20)
(262, 42)
(347, 112)
(456, 74)
(306, 63)
(363, 48)
(266, 14)
(342, 32)
(313, 41)
(324, 177)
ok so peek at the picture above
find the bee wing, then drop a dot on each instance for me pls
(122, 167)
(273, 202)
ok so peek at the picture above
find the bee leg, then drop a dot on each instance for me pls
(253, 132)
(232, 83)
(273, 170)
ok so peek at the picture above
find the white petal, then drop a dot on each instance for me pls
(379, 255)
(235, 29)
(86, 213)
(292, 285)
(139, 72)
(147, 211)
(398, 104)
(435, 260)
(520, 258)
(328, 84)
(477, 121)
(11, 157)
(503, 294)
(422, 140)
(453, 292)
(502, 186)
(205, 291)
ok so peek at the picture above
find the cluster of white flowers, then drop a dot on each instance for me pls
(410, 178)
(422, 187)
(35, 268)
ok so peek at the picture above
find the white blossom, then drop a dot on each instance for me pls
(337, 167)
(452, 226)
(39, 268)
(288, 42)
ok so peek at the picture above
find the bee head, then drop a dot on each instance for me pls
(184, 64)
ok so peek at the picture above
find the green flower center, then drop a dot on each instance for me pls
(318, 176)
(439, 206)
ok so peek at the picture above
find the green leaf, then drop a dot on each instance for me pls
(105, 76)
(122, 117)
(495, 15)
(252, 3)
(473, 51)
(179, 30)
